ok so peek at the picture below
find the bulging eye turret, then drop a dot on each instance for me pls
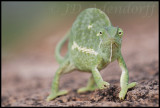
(99, 33)
(120, 32)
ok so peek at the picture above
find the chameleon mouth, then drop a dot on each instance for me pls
(113, 41)
(111, 48)
(116, 44)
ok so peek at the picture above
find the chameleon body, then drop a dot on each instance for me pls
(93, 44)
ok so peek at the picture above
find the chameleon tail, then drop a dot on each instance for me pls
(58, 56)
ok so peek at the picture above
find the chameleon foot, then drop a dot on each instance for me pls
(124, 90)
(131, 85)
(54, 95)
(85, 89)
(103, 85)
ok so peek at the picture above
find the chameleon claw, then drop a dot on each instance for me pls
(62, 92)
(54, 95)
(85, 89)
(104, 85)
(131, 85)
(123, 92)
(51, 97)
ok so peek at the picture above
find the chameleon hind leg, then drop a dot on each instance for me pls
(66, 67)
(91, 86)
(124, 79)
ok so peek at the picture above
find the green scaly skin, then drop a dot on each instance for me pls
(93, 44)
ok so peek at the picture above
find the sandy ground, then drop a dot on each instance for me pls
(26, 79)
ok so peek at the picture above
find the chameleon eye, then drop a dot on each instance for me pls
(99, 34)
(120, 32)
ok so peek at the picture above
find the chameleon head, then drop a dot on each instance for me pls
(112, 35)
(111, 41)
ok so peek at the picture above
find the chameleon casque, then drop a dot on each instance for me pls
(93, 44)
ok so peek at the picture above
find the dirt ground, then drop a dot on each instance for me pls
(26, 78)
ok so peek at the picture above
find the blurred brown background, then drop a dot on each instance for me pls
(31, 30)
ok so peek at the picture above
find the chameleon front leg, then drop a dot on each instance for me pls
(64, 68)
(98, 79)
(91, 86)
(124, 79)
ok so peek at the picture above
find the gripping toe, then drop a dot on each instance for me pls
(54, 95)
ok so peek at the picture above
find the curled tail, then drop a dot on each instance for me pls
(59, 58)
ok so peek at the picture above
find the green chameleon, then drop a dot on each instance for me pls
(93, 44)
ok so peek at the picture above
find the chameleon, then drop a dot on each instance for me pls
(93, 44)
